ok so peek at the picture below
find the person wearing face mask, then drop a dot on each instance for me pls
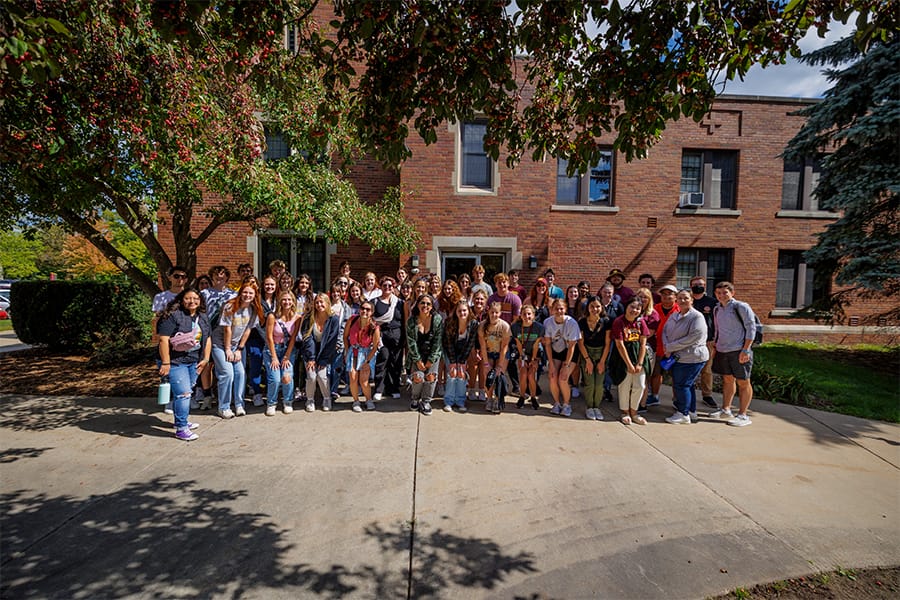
(705, 304)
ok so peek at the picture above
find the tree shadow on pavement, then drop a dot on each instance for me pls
(126, 417)
(11, 455)
(173, 538)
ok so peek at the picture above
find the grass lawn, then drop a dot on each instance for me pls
(863, 380)
(6, 325)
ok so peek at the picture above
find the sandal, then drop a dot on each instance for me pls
(640, 420)
(626, 420)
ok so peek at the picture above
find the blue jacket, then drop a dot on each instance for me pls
(322, 352)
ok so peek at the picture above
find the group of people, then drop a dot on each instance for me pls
(459, 339)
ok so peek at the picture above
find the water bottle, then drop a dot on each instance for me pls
(163, 393)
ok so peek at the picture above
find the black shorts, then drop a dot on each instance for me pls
(559, 355)
(728, 363)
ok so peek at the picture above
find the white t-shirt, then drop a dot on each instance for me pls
(561, 333)
(239, 321)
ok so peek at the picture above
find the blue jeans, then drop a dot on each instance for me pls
(182, 379)
(274, 376)
(455, 389)
(253, 351)
(337, 371)
(683, 377)
(231, 377)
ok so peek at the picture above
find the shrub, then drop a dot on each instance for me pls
(792, 388)
(103, 317)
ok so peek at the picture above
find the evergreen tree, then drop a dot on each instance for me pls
(857, 129)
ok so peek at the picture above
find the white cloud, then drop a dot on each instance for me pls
(792, 79)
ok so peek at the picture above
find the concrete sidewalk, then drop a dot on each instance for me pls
(101, 501)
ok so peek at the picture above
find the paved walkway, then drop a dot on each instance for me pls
(9, 342)
(100, 501)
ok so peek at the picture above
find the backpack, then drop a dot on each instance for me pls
(758, 337)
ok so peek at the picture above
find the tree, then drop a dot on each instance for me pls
(123, 104)
(137, 118)
(859, 119)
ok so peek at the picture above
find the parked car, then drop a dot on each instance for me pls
(5, 285)
(3, 314)
(4, 302)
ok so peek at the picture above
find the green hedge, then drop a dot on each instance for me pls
(103, 317)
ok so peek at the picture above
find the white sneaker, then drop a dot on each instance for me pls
(679, 419)
(288, 409)
(597, 414)
(576, 393)
(240, 412)
(378, 396)
(257, 400)
(310, 406)
(356, 407)
(589, 414)
(226, 414)
(722, 413)
(326, 404)
(206, 403)
(168, 409)
(694, 417)
(555, 409)
(448, 408)
(395, 395)
(298, 393)
(740, 421)
(270, 410)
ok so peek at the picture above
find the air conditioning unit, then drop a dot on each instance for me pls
(690, 199)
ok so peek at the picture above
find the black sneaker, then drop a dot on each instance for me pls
(534, 403)
(414, 405)
(521, 402)
(710, 402)
(641, 410)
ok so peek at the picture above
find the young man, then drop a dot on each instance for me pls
(215, 298)
(243, 270)
(646, 280)
(665, 308)
(510, 302)
(705, 305)
(735, 326)
(621, 293)
(554, 290)
(478, 282)
(515, 287)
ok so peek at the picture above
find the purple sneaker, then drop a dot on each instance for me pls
(186, 435)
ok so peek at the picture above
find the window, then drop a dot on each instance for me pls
(713, 264)
(795, 285)
(276, 146)
(594, 189)
(476, 166)
(798, 182)
(708, 179)
(301, 255)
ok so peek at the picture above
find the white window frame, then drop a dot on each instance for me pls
(457, 130)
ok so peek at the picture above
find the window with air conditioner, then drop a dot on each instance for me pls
(708, 179)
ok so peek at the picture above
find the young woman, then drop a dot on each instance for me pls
(493, 338)
(629, 365)
(257, 341)
(280, 354)
(464, 282)
(434, 286)
(540, 299)
(420, 288)
(573, 309)
(423, 334)
(527, 334)
(341, 310)
(203, 282)
(239, 318)
(684, 336)
(319, 347)
(449, 298)
(182, 360)
(650, 316)
(354, 298)
(402, 277)
(370, 288)
(389, 317)
(285, 283)
(561, 334)
(405, 289)
(593, 347)
(473, 367)
(304, 293)
(344, 269)
(362, 337)
(459, 341)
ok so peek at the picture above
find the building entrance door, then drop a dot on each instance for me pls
(456, 263)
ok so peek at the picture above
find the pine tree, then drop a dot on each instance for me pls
(857, 128)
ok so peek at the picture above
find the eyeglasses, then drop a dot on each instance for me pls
(179, 276)
(345, 283)
(390, 285)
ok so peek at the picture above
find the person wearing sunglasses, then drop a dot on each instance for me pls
(388, 315)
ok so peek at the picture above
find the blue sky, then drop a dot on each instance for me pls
(793, 79)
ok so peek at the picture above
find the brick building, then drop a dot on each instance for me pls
(712, 198)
